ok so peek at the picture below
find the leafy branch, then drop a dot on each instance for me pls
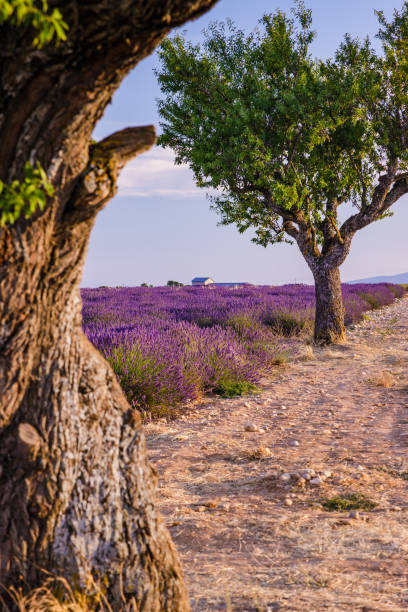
(25, 13)
(24, 197)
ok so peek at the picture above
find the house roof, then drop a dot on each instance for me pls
(201, 279)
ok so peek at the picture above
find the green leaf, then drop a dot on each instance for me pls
(26, 197)
(24, 13)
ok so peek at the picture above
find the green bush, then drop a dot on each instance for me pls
(241, 323)
(371, 300)
(286, 323)
(233, 388)
(353, 501)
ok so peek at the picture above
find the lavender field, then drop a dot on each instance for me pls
(169, 345)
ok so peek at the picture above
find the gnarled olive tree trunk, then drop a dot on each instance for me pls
(324, 264)
(76, 490)
(329, 325)
(329, 318)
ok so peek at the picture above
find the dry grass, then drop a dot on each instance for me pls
(260, 452)
(318, 565)
(384, 379)
(376, 539)
(306, 353)
(330, 354)
(57, 595)
(398, 358)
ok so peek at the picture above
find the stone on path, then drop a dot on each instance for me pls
(294, 443)
(316, 482)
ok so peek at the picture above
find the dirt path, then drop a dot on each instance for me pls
(251, 535)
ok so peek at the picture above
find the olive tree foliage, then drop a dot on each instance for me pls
(286, 139)
(48, 26)
(25, 197)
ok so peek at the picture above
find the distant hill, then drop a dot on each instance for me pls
(396, 278)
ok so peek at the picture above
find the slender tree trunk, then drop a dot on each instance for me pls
(329, 318)
(76, 490)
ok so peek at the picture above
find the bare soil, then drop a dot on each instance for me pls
(249, 541)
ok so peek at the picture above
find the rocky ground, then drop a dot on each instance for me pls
(296, 498)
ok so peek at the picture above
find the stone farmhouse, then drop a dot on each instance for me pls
(206, 281)
(202, 281)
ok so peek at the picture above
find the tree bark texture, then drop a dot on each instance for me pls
(76, 489)
(325, 266)
(329, 318)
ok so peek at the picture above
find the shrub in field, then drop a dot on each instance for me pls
(147, 380)
(371, 300)
(241, 323)
(286, 323)
(231, 388)
(396, 290)
(355, 308)
(353, 501)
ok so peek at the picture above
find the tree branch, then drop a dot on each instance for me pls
(293, 214)
(97, 184)
(330, 231)
(305, 234)
(122, 146)
(290, 229)
(399, 189)
(335, 228)
(380, 202)
(361, 179)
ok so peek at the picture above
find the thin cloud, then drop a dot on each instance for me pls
(155, 174)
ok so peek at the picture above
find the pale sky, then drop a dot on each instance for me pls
(159, 225)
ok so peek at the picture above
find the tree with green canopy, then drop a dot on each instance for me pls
(77, 493)
(173, 283)
(287, 140)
